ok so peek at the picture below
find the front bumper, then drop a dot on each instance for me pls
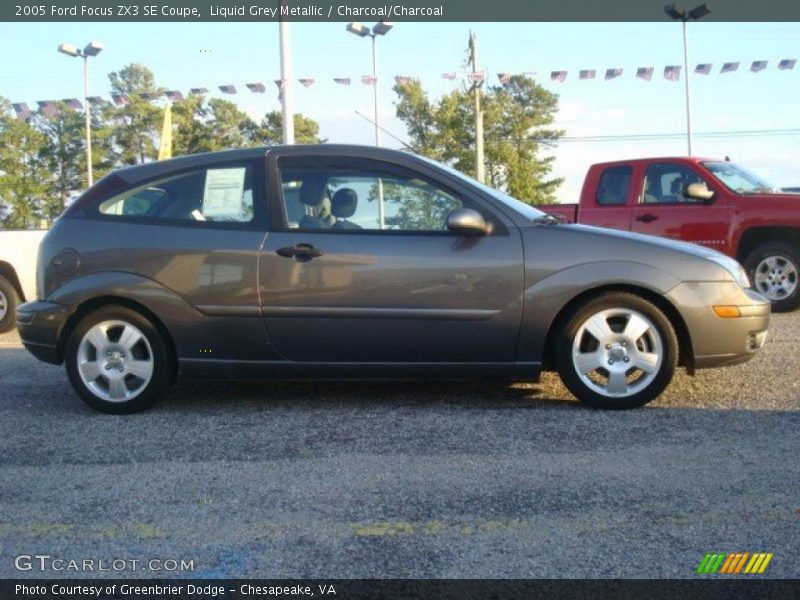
(717, 341)
(40, 325)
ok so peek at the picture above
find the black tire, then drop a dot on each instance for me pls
(9, 299)
(617, 301)
(163, 361)
(784, 251)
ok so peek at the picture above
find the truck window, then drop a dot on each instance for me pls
(665, 183)
(614, 186)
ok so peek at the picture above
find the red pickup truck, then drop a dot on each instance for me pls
(710, 202)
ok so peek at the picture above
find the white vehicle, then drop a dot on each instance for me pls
(18, 250)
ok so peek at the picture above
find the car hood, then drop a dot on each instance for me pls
(788, 198)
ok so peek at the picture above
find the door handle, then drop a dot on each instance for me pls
(300, 251)
(647, 218)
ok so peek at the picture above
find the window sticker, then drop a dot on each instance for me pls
(223, 194)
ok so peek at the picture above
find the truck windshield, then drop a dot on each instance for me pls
(526, 210)
(737, 179)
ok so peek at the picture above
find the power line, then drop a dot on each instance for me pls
(668, 136)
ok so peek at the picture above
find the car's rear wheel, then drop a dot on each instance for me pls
(616, 351)
(9, 299)
(774, 268)
(118, 361)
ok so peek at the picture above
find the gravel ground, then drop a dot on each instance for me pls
(407, 480)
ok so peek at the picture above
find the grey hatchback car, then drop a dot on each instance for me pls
(345, 262)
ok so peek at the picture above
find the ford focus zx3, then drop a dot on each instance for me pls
(342, 262)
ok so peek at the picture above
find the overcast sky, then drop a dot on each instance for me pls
(212, 54)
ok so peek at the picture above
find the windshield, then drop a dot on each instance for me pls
(526, 210)
(737, 179)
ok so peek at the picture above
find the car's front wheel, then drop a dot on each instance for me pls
(616, 351)
(118, 361)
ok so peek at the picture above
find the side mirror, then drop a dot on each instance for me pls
(699, 191)
(466, 221)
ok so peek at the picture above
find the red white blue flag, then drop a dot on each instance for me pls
(672, 72)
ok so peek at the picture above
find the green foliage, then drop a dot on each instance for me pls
(270, 131)
(43, 159)
(517, 115)
(22, 171)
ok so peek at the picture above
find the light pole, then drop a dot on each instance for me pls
(287, 99)
(91, 49)
(380, 28)
(676, 12)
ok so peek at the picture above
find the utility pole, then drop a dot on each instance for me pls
(87, 113)
(480, 174)
(287, 105)
(686, 80)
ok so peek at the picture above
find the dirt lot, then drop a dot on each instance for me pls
(406, 480)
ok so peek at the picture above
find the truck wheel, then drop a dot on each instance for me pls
(118, 362)
(616, 351)
(773, 268)
(9, 299)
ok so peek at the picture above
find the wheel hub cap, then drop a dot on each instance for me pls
(617, 352)
(776, 277)
(3, 306)
(115, 361)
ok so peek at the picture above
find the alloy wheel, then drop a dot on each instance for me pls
(776, 277)
(115, 361)
(617, 352)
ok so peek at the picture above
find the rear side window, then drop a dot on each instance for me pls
(216, 194)
(614, 186)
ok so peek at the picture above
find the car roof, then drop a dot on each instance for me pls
(153, 169)
(672, 159)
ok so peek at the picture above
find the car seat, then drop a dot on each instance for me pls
(344, 204)
(313, 195)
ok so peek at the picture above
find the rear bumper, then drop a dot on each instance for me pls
(40, 325)
(717, 341)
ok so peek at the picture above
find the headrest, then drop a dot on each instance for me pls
(344, 203)
(311, 191)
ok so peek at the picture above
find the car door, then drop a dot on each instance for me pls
(363, 269)
(664, 209)
(611, 205)
(196, 231)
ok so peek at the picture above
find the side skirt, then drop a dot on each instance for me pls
(193, 368)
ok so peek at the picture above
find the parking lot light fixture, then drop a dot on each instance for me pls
(90, 50)
(677, 13)
(358, 29)
(380, 28)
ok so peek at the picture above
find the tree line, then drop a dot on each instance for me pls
(43, 158)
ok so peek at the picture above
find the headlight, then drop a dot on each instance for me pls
(741, 276)
(736, 270)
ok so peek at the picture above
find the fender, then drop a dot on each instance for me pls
(170, 308)
(194, 335)
(544, 299)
